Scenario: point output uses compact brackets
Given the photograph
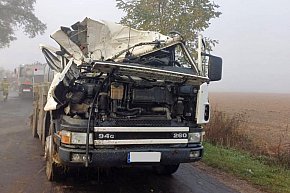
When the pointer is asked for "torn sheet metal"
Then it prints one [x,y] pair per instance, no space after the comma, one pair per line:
[51,104]
[107,39]
[52,59]
[103,40]
[71,48]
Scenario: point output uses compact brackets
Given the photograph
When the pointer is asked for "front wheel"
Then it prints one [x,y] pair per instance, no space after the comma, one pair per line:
[166,169]
[53,171]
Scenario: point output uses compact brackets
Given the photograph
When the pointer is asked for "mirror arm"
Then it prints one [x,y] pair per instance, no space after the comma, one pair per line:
[199,56]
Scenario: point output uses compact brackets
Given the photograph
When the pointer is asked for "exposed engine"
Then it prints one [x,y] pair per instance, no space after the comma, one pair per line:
[125,97]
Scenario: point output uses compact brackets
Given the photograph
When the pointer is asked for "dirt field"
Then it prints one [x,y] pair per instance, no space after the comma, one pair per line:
[267,115]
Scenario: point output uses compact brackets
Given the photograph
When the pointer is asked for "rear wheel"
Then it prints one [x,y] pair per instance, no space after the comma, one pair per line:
[166,169]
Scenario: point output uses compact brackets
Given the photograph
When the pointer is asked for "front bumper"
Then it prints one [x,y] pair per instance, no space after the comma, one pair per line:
[118,157]
[26,94]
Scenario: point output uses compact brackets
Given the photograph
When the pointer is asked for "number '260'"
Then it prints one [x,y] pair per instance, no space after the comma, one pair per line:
[179,135]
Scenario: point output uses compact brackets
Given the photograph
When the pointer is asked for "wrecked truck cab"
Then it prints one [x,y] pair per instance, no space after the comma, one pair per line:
[123,97]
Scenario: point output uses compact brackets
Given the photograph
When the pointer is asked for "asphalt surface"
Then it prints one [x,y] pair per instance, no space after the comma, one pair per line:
[22,167]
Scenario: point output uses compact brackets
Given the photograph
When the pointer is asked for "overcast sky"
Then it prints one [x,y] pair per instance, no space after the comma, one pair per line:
[254,39]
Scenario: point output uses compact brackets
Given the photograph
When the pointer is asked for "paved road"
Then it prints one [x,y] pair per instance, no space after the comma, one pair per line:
[22,166]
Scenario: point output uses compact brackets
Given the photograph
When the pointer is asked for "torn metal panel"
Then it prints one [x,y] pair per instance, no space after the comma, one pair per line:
[58,77]
[102,40]
[71,48]
[52,59]
[109,39]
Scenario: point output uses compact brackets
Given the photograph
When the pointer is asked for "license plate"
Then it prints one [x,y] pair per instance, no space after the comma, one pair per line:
[26,90]
[144,157]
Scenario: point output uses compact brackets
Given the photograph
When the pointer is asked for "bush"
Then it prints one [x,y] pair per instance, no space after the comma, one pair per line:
[282,149]
[227,130]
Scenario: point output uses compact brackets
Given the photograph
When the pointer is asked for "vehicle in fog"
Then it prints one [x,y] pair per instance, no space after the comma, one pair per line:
[27,76]
[123,97]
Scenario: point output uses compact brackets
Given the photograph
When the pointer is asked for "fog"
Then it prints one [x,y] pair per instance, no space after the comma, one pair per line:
[254,43]
[253,40]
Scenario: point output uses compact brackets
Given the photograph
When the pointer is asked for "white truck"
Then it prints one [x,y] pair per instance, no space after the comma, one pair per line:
[124,97]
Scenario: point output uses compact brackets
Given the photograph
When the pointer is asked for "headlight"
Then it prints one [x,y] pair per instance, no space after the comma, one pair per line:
[81,138]
[195,137]
[68,137]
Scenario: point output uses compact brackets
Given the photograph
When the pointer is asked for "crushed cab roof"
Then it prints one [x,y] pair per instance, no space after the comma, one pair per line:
[104,40]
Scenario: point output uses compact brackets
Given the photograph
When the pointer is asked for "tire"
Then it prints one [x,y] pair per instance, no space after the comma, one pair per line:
[54,172]
[166,169]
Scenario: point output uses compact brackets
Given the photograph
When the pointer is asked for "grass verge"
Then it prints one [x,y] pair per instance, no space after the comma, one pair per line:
[255,170]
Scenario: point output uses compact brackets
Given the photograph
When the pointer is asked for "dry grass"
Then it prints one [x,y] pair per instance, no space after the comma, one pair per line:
[227,130]
[281,151]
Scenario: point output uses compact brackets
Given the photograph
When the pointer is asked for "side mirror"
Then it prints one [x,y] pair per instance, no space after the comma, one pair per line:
[215,68]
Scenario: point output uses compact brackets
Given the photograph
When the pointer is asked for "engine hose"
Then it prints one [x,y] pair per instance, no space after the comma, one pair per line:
[162,109]
[90,117]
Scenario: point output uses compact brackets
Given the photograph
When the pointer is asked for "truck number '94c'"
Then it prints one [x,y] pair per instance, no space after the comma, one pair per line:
[106,136]
[179,135]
